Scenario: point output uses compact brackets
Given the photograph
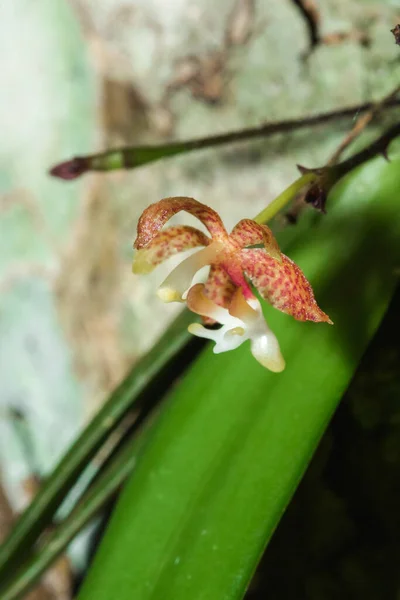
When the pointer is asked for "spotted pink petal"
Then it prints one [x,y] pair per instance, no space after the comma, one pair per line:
[282,284]
[219,287]
[250,233]
[156,215]
[166,243]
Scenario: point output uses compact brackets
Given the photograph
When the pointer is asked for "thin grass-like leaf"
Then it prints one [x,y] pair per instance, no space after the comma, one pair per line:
[142,377]
[89,505]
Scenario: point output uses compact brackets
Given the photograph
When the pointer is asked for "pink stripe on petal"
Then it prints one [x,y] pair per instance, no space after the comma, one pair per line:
[234,269]
[219,288]
[250,233]
[283,285]
[167,243]
[156,215]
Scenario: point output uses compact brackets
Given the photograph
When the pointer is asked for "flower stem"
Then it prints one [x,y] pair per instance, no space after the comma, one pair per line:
[285,197]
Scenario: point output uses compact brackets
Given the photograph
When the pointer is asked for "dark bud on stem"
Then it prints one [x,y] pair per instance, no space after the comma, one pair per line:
[396,33]
[71,169]
[317,193]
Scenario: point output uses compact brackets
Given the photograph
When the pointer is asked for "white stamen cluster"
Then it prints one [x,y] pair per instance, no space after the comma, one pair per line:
[243,321]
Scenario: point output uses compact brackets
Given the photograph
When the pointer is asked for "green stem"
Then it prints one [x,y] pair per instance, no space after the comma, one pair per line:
[285,197]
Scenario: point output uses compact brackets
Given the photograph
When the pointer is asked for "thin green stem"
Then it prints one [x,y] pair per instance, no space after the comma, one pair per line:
[285,197]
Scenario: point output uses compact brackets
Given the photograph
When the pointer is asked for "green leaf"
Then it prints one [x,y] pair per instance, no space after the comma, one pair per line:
[233,439]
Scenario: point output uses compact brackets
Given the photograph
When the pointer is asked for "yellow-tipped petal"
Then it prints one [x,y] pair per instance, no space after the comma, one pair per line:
[141,265]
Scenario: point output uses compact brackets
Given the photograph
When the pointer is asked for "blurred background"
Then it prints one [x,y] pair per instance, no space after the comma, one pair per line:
[79,76]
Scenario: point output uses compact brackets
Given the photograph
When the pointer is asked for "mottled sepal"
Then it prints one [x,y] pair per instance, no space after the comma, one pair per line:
[165,244]
[283,285]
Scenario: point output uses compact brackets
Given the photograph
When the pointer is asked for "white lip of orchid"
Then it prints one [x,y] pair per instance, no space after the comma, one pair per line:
[175,287]
[246,323]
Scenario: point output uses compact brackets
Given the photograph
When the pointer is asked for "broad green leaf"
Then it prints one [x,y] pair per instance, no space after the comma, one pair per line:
[233,440]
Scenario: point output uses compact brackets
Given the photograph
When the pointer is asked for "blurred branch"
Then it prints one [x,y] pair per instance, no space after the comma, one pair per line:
[362,123]
[326,177]
[300,201]
[135,156]
[310,14]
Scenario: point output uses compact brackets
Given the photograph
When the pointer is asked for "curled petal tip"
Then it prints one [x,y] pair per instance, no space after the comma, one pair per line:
[317,315]
[70,169]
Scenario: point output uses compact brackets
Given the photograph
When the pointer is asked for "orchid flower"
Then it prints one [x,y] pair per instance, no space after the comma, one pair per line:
[248,255]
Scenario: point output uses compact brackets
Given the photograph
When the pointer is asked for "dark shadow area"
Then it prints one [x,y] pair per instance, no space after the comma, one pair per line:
[367,259]
[340,536]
